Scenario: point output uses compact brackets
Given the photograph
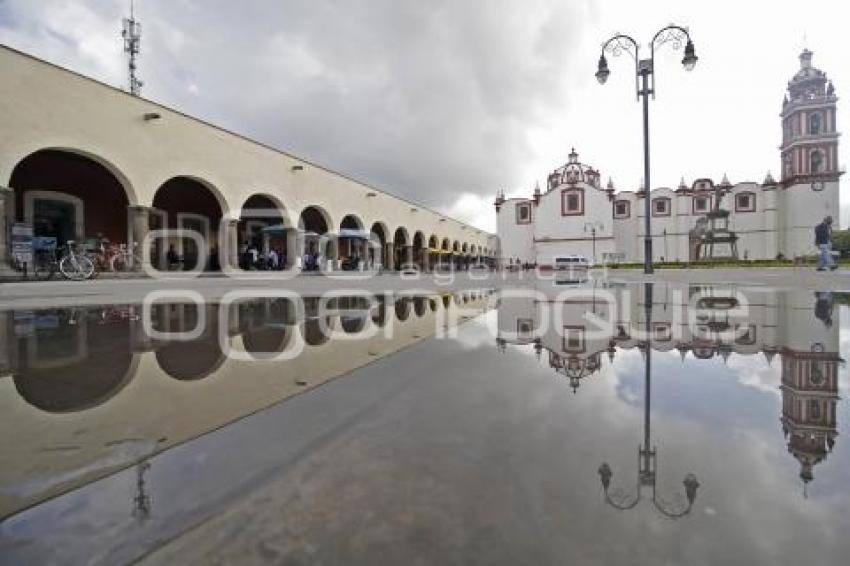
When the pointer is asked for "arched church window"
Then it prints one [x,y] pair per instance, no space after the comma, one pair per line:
[816,164]
[814,411]
[814,124]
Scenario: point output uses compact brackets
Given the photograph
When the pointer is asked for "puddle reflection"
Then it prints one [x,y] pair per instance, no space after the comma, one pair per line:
[622,406]
[119,387]
[575,332]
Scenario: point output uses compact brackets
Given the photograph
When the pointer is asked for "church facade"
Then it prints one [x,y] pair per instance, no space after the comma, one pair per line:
[577,215]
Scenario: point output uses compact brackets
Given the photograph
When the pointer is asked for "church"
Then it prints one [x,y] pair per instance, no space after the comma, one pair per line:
[577,215]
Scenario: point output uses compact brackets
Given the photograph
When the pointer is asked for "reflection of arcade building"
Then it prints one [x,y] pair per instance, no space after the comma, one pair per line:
[93,378]
[773,323]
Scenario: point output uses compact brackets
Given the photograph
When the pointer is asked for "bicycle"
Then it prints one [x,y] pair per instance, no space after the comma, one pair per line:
[74,265]
[44,264]
[124,259]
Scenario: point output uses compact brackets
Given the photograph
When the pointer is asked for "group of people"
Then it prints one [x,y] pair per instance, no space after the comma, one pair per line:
[251,258]
[311,261]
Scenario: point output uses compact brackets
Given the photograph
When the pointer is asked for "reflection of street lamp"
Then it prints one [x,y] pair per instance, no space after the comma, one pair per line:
[592,226]
[647,457]
[141,501]
[645,68]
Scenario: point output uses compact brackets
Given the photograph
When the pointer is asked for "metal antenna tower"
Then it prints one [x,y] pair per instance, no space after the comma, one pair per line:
[132,34]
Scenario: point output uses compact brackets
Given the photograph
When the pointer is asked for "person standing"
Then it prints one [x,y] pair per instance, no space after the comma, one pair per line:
[823,241]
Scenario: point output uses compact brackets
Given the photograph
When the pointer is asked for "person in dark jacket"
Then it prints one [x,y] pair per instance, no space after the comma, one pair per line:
[823,241]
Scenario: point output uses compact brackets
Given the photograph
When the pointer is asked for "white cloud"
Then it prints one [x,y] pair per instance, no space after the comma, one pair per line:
[474,209]
[441,100]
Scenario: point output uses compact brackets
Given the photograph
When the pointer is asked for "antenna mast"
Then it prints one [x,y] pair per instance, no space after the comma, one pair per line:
[132,34]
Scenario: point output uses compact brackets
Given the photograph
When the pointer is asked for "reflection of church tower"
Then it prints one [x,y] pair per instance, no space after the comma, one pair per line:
[809,397]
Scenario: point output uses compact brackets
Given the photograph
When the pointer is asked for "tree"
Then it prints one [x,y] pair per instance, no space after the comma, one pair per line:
[841,241]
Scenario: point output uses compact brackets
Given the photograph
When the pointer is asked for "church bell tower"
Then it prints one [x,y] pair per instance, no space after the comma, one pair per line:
[809,150]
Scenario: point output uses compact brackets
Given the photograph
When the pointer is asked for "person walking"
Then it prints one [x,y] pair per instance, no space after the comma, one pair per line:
[823,241]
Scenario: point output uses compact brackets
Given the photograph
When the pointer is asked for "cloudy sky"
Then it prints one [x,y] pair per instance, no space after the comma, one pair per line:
[446,102]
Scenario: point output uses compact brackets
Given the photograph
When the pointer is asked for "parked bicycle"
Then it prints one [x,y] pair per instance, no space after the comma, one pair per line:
[124,259]
[71,264]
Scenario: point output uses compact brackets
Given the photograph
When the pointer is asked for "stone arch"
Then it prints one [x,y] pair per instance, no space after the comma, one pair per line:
[101,365]
[353,243]
[267,343]
[378,250]
[420,256]
[267,326]
[419,306]
[402,309]
[379,313]
[401,247]
[264,223]
[433,251]
[71,195]
[315,226]
[351,222]
[191,360]
[192,204]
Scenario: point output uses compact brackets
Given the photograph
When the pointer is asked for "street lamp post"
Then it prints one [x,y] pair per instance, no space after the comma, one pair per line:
[644,69]
[591,227]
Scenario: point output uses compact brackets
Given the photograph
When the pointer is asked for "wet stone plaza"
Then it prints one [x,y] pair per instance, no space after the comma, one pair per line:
[533,423]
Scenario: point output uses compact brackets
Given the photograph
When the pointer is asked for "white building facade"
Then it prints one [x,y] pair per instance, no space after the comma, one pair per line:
[80,160]
[772,219]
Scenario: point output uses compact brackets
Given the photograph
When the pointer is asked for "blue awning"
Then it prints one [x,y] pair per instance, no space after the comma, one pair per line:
[349,233]
[274,229]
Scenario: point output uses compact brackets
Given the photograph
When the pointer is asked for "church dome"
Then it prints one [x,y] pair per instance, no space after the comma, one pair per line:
[809,82]
[573,172]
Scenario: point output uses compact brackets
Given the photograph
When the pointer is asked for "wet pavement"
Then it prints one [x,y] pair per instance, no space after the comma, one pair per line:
[537,424]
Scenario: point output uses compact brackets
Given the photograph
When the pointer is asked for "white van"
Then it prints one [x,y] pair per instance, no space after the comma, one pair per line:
[570,263]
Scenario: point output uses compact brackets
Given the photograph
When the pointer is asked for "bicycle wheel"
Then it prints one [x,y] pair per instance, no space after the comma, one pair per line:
[76,267]
[97,262]
[43,268]
[124,262]
[118,263]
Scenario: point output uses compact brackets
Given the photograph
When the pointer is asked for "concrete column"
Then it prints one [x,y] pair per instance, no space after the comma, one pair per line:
[7,208]
[389,256]
[7,349]
[140,341]
[231,239]
[233,319]
[138,227]
[293,253]
[332,257]
[408,255]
